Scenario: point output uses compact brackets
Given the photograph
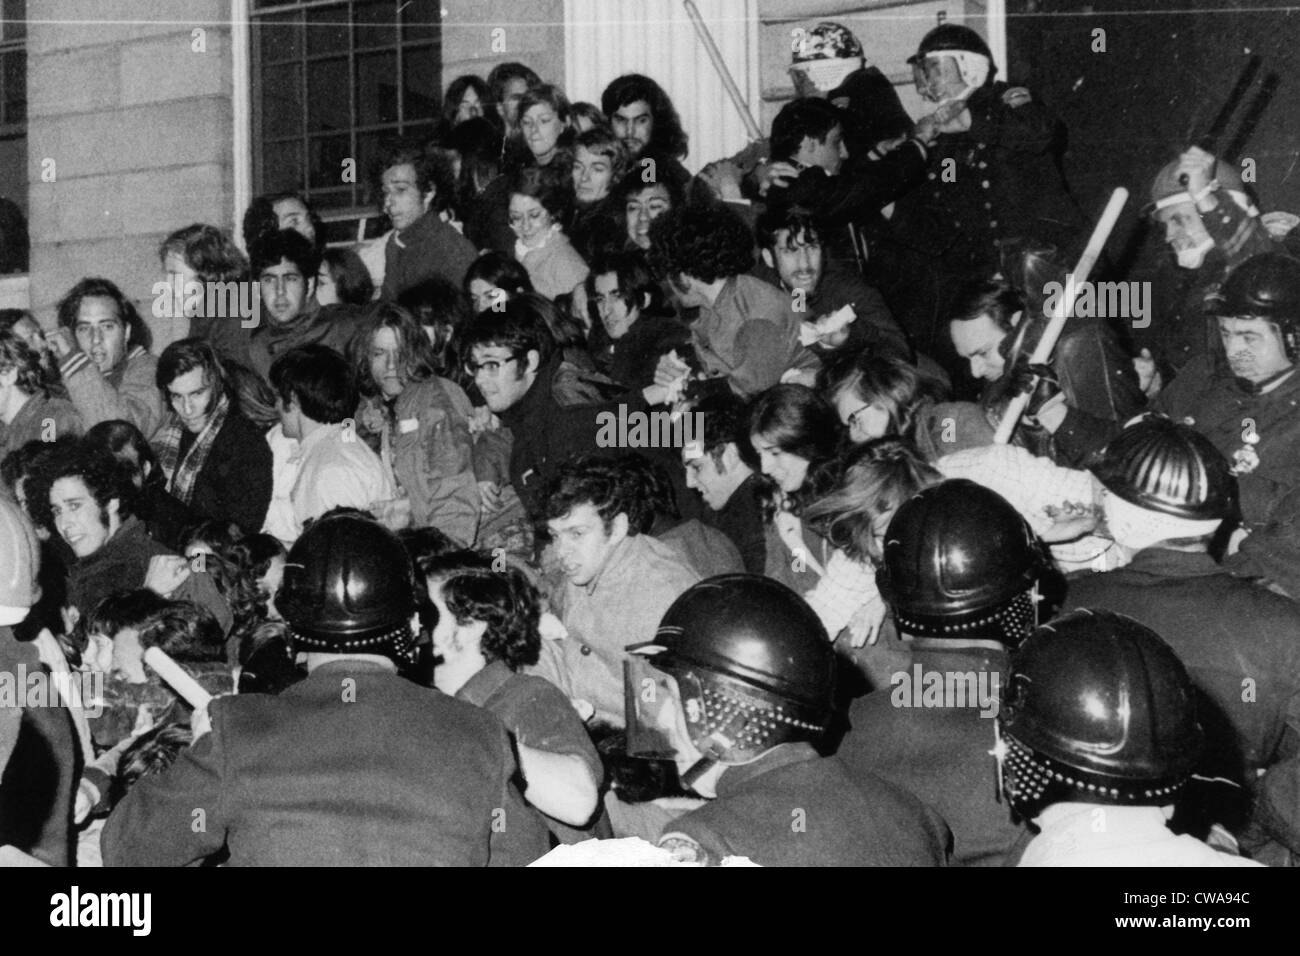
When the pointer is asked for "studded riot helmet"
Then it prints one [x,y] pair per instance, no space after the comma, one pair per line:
[349,588]
[1097,709]
[1266,286]
[961,563]
[748,662]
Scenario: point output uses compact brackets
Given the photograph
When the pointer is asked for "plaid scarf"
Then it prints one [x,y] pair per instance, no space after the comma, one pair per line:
[181,475]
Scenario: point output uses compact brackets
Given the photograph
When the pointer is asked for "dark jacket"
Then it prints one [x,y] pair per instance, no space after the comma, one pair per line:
[872,109]
[555,421]
[40,762]
[849,203]
[1219,406]
[1241,645]
[429,249]
[793,808]
[166,519]
[631,361]
[999,179]
[1097,378]
[598,227]
[487,221]
[122,563]
[235,482]
[353,766]
[940,753]
[332,325]
[741,520]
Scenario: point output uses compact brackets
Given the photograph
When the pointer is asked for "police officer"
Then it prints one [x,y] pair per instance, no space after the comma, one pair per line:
[960,573]
[992,176]
[1246,398]
[1098,736]
[353,765]
[1168,492]
[1210,223]
[737,687]
[40,758]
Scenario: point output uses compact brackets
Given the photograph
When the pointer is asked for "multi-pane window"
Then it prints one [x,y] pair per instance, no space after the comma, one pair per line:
[13,136]
[331,82]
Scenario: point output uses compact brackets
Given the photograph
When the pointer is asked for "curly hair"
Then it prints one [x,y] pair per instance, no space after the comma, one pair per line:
[652,494]
[608,485]
[475,587]
[668,138]
[706,242]
[878,477]
[33,377]
[23,471]
[105,478]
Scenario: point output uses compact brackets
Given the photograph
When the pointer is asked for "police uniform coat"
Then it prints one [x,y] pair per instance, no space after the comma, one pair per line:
[941,754]
[793,808]
[353,766]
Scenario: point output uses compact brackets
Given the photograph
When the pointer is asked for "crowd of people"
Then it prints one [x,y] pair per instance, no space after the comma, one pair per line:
[808,611]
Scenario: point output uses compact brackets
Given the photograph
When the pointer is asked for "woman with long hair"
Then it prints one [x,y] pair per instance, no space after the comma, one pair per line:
[876,396]
[418,419]
[468,97]
[852,516]
[794,437]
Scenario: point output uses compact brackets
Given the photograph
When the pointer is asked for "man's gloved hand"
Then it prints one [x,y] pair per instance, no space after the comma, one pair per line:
[1040,383]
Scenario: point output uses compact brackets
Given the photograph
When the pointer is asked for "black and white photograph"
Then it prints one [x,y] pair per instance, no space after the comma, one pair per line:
[653,433]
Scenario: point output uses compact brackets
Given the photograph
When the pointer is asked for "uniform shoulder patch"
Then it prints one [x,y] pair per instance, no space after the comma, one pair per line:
[1016,96]
[684,849]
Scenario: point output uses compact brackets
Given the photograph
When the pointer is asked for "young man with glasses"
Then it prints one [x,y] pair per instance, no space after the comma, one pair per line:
[549,404]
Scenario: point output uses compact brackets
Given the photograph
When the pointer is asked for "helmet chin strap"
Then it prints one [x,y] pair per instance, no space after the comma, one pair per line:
[1192,258]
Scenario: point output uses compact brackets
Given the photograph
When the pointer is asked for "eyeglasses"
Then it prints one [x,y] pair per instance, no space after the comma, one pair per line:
[491,368]
[852,420]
